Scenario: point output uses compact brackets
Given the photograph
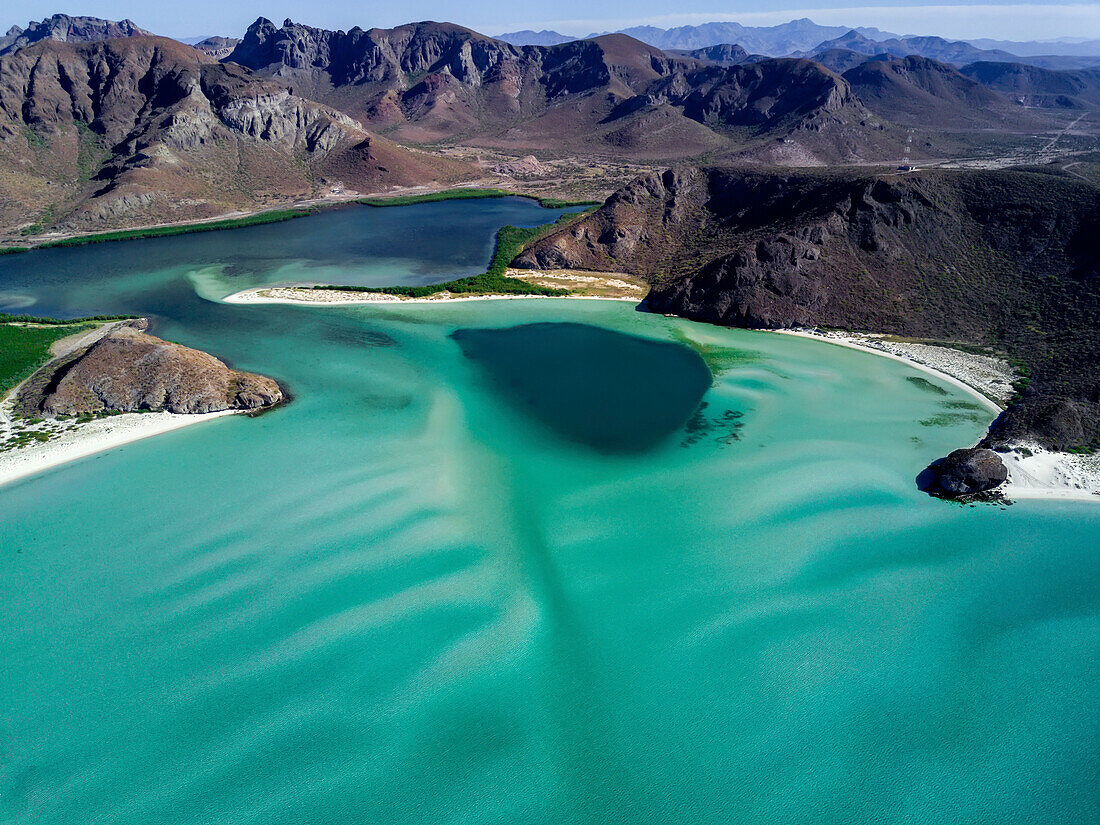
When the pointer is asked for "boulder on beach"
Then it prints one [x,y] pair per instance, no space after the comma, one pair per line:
[967,472]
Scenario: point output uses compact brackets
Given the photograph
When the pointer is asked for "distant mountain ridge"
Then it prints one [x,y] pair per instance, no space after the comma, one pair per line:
[527,37]
[68,29]
[803,38]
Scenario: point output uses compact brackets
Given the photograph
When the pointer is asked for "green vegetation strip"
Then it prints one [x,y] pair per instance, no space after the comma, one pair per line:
[183,229]
[24,349]
[511,240]
[470,194]
[12,250]
[5,318]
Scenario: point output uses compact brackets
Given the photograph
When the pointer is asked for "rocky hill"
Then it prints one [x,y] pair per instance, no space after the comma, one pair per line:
[1004,259]
[917,91]
[145,129]
[128,370]
[1032,86]
[724,54]
[217,47]
[67,29]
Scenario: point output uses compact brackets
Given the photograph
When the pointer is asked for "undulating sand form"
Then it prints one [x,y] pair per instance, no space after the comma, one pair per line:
[70,441]
[986,378]
[1032,471]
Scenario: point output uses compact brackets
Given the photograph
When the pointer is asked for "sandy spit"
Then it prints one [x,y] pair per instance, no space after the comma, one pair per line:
[325,297]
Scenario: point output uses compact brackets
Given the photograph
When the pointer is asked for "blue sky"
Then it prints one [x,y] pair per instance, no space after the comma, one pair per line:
[1040,19]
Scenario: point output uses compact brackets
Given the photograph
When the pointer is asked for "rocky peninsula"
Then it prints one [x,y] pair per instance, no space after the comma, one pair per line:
[116,385]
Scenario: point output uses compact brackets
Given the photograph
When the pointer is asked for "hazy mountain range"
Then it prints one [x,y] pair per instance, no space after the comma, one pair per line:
[802,38]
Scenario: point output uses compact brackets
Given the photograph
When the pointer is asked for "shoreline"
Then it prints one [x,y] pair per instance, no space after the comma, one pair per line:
[1033,473]
[253,296]
[94,437]
[946,377]
[243,218]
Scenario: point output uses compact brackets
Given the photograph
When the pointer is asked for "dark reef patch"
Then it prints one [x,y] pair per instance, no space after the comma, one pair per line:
[609,391]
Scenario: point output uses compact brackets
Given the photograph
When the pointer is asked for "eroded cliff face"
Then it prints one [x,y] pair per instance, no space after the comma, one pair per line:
[145,129]
[128,370]
[62,27]
[1006,259]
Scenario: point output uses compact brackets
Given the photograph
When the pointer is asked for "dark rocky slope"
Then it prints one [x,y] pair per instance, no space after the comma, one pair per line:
[145,129]
[920,92]
[1005,259]
[1032,86]
[128,370]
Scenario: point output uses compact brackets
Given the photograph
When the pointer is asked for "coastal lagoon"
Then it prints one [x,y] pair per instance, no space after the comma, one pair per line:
[525,561]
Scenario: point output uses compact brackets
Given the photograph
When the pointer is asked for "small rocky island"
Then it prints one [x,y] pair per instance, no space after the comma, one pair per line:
[128,370]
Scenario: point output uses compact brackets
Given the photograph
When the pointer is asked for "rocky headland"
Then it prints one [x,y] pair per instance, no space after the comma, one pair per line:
[1005,260]
[128,370]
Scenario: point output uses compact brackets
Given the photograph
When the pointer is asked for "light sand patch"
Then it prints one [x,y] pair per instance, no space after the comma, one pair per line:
[584,284]
[588,286]
[69,441]
[1037,473]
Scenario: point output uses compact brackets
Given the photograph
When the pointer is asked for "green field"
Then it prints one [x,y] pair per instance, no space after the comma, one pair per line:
[511,240]
[24,349]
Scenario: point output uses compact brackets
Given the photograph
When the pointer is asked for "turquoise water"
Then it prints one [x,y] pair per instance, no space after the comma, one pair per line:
[431,590]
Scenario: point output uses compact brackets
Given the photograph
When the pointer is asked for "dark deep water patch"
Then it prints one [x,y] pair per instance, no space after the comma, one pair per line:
[607,390]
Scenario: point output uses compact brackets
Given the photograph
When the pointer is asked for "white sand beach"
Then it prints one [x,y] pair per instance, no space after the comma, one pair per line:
[1033,473]
[590,286]
[69,441]
[329,297]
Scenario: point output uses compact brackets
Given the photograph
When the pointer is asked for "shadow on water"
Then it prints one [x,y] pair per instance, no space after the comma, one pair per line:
[609,391]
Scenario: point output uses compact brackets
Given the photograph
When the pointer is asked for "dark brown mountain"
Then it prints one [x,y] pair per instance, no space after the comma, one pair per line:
[723,54]
[1032,86]
[1007,259]
[144,130]
[67,29]
[128,370]
[917,91]
[841,60]
[428,81]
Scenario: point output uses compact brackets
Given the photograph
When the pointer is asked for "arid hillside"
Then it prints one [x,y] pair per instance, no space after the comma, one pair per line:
[137,130]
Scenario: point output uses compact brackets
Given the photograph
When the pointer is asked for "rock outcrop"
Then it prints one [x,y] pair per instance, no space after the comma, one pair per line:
[128,370]
[68,29]
[968,472]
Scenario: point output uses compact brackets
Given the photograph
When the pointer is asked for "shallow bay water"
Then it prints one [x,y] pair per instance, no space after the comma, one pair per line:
[441,587]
